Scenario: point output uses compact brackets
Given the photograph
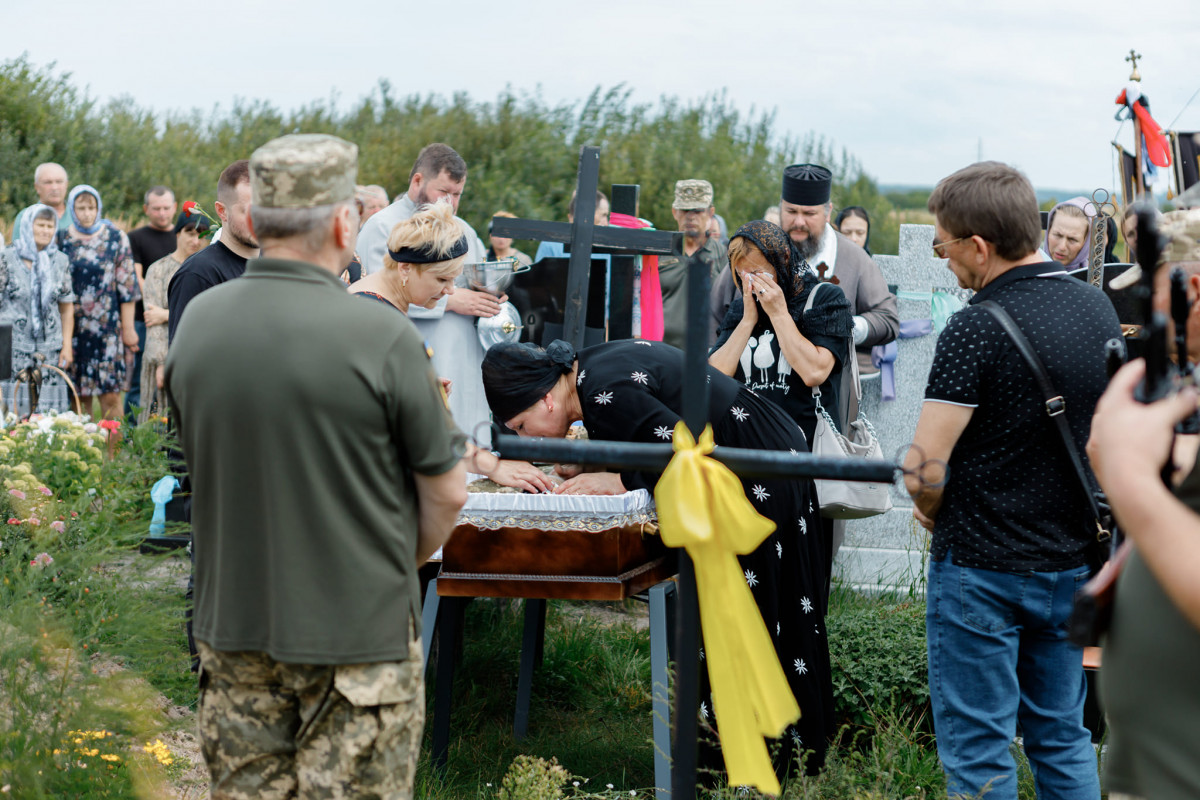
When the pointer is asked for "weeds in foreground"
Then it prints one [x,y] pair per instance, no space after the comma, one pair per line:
[82,652]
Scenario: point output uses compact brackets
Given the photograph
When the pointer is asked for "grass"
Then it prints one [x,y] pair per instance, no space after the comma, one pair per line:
[92,652]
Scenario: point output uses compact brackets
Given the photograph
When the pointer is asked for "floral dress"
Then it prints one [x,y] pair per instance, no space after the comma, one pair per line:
[103,277]
[632,391]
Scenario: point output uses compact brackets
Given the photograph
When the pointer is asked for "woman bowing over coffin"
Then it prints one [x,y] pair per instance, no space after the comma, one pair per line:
[632,391]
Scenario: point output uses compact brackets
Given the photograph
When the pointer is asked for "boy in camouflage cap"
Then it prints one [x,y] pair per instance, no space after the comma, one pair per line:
[314,503]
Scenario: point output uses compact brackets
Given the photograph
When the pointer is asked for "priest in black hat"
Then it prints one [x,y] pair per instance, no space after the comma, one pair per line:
[805,210]
[804,213]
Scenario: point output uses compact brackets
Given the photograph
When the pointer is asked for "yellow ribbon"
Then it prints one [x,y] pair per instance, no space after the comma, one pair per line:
[703,508]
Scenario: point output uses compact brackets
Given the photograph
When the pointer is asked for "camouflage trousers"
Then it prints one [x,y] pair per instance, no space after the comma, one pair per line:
[273,730]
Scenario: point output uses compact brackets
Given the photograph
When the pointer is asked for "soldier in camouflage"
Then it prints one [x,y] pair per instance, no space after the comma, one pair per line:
[692,209]
[315,499]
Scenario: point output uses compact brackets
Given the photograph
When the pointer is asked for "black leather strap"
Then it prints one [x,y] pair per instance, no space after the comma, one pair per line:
[1055,405]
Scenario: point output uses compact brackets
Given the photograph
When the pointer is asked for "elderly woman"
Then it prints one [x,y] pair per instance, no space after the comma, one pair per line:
[36,297]
[425,256]
[1068,231]
[188,240]
[106,290]
[632,391]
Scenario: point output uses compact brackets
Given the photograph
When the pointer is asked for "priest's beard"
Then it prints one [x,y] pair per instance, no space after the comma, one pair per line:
[810,246]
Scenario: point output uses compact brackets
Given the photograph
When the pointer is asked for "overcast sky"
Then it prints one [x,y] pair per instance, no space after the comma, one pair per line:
[914,89]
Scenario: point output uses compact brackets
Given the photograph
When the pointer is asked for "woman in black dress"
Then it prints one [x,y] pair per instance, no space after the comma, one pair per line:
[631,391]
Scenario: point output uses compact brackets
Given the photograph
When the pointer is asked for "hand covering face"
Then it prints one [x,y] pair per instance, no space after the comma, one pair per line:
[795,279]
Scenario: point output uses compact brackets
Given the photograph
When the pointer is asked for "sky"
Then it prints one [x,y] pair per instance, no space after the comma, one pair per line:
[913,89]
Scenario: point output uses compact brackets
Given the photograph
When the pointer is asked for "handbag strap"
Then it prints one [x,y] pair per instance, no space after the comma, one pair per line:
[1056,406]
[853,367]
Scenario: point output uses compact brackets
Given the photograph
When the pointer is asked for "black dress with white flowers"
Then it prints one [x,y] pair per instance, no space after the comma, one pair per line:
[632,391]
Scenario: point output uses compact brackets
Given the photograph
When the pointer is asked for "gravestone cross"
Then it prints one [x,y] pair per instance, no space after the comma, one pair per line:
[584,239]
[881,553]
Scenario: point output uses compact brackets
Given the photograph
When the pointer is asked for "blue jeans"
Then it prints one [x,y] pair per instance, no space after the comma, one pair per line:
[999,655]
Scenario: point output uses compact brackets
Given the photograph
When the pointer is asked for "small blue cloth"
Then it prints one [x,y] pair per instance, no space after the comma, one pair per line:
[161,493]
[884,356]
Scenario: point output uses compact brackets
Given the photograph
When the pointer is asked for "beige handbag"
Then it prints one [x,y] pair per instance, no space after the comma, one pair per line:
[842,499]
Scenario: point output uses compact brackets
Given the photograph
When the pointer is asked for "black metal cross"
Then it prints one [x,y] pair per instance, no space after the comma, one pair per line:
[656,456]
[585,239]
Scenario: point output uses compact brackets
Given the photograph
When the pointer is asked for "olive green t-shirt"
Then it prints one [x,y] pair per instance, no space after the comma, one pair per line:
[672,275]
[1149,685]
[303,413]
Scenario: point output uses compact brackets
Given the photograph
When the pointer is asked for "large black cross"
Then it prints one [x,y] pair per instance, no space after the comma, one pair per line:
[654,457]
[585,239]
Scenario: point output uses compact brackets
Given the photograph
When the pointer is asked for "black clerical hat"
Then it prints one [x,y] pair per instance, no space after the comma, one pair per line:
[807,185]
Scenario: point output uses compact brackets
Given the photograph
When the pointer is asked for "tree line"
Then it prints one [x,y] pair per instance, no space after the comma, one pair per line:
[522,152]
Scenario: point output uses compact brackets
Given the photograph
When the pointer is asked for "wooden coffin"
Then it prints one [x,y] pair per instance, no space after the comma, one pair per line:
[554,547]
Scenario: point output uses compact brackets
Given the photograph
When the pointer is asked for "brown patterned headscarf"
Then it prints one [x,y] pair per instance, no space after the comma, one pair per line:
[795,279]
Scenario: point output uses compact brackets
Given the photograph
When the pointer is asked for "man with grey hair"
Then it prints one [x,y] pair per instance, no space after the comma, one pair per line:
[50,183]
[692,209]
[315,503]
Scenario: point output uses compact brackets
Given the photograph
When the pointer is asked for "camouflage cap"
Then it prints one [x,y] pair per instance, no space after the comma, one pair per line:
[303,170]
[692,194]
[1181,229]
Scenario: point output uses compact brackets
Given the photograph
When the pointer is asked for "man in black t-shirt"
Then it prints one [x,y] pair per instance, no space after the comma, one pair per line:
[225,259]
[1011,523]
[148,244]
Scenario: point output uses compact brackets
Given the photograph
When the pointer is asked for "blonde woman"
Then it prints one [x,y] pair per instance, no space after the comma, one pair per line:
[425,255]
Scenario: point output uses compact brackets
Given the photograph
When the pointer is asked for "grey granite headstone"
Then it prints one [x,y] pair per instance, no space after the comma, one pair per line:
[888,552]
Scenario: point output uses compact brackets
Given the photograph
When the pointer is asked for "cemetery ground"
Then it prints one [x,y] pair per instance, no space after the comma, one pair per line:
[97,701]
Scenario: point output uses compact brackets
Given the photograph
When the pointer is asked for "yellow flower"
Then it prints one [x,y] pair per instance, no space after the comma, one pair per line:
[110,757]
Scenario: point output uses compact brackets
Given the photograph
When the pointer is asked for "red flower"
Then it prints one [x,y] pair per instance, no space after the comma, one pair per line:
[189,207]
[14,521]
[110,424]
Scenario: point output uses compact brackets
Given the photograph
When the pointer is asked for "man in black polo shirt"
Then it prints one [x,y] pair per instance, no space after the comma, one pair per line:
[148,244]
[1011,535]
[225,259]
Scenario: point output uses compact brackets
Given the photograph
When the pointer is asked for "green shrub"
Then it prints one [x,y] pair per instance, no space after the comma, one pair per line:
[877,650]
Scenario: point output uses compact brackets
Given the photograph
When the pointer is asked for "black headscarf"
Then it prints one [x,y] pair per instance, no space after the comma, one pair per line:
[518,374]
[795,279]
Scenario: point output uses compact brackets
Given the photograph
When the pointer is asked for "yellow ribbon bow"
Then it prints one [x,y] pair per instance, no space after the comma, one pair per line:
[703,508]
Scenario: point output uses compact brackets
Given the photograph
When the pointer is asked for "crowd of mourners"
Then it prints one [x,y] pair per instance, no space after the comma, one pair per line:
[370,380]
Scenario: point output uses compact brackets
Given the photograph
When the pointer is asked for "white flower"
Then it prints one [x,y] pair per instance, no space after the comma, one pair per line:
[803,525]
[751,579]
[604,398]
[801,667]
[806,604]
[580,377]
[779,549]
[662,432]
[701,653]
[608,786]
[776,628]
[760,492]
[703,710]
[640,377]
[739,413]
[796,738]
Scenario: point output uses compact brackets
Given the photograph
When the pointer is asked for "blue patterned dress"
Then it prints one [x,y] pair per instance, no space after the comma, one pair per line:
[103,277]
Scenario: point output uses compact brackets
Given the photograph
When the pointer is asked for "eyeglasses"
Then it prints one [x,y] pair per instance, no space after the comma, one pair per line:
[937,246]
